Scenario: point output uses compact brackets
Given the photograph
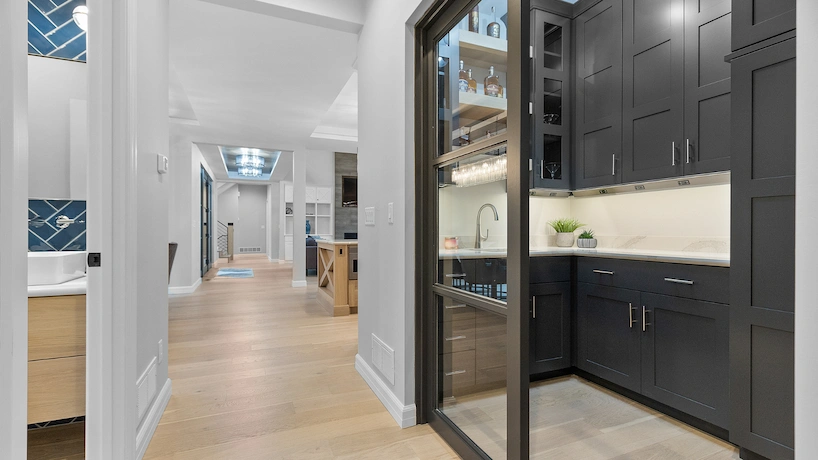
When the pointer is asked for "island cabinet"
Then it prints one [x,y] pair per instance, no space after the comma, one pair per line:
[670,348]
[676,113]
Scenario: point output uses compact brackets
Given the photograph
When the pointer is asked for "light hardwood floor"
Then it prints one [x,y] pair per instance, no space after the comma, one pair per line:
[261,372]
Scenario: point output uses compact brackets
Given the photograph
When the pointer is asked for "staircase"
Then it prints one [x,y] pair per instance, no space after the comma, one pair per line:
[221,241]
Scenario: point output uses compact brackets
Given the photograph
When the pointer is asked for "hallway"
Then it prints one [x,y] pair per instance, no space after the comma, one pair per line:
[259,371]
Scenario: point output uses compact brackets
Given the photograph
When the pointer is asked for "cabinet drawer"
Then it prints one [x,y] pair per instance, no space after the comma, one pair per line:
[56,327]
[679,280]
[456,311]
[56,389]
[457,335]
[549,270]
[458,372]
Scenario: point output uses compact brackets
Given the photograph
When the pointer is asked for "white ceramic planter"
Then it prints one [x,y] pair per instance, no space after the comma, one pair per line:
[587,243]
[565,240]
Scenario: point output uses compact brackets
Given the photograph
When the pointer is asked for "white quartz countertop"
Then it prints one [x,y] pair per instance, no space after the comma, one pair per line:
[718,259]
[73,287]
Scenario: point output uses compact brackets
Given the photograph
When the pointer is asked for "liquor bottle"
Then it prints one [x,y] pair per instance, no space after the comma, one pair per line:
[474,20]
[493,30]
[491,85]
[463,84]
[472,84]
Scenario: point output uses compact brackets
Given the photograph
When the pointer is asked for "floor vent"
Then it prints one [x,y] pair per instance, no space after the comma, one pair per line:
[249,250]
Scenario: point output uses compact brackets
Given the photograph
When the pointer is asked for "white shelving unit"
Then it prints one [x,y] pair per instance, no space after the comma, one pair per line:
[319,213]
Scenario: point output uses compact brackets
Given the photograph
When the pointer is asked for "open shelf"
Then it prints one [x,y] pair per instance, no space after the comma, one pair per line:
[479,106]
[483,51]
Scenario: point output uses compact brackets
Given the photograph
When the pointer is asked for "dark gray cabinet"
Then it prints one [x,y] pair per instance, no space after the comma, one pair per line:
[685,358]
[552,89]
[762,291]
[609,335]
[598,93]
[550,338]
[676,88]
[758,20]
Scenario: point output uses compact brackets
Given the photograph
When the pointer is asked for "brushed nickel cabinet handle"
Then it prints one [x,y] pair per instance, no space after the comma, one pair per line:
[452,307]
[687,150]
[603,272]
[678,281]
[630,316]
[613,164]
[542,169]
[456,275]
[673,154]
[645,322]
[459,337]
[449,374]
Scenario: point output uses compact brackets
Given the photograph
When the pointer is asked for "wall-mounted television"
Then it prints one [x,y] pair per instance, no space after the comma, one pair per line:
[349,192]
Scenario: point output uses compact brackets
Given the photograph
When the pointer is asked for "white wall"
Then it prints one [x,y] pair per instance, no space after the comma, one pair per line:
[806,227]
[386,175]
[320,168]
[153,189]
[13,191]
[274,212]
[53,84]
[229,207]
[251,228]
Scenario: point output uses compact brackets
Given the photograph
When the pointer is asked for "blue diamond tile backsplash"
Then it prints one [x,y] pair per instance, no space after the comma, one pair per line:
[45,234]
[52,30]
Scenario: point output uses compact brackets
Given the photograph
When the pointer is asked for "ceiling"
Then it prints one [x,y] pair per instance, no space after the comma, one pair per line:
[262,74]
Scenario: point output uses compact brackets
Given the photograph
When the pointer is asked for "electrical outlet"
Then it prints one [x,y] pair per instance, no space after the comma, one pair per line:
[161,351]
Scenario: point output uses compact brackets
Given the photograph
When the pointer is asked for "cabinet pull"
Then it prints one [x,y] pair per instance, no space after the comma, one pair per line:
[452,307]
[542,169]
[645,322]
[613,164]
[603,272]
[459,337]
[687,150]
[456,275]
[673,154]
[678,281]
[631,321]
[534,299]
[449,374]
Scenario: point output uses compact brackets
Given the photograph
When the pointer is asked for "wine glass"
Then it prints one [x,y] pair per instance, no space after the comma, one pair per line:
[552,168]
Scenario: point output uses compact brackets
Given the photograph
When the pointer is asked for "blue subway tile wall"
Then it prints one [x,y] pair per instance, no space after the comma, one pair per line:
[44,234]
[52,30]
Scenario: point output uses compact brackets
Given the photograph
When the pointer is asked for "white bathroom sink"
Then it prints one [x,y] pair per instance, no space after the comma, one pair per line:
[46,268]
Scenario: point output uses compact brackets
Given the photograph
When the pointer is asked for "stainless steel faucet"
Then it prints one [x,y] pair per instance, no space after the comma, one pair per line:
[478,238]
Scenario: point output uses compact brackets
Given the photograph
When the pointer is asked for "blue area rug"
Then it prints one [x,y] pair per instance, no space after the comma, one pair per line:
[236,272]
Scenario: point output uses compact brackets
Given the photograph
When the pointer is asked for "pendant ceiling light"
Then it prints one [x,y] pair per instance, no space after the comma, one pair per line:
[81,17]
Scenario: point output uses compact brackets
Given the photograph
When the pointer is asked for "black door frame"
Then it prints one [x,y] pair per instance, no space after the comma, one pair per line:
[206,234]
[439,19]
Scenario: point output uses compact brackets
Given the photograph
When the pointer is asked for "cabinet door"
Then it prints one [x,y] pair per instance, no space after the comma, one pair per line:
[309,194]
[707,87]
[598,89]
[490,349]
[552,128]
[758,20]
[653,111]
[609,333]
[685,358]
[550,327]
[762,273]
[323,195]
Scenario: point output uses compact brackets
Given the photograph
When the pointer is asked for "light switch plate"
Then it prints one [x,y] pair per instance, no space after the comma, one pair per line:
[390,213]
[162,163]
[370,216]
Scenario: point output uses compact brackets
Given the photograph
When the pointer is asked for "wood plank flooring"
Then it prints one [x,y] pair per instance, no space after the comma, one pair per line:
[261,372]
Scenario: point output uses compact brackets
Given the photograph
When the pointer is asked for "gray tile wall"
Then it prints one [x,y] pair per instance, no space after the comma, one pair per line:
[346,219]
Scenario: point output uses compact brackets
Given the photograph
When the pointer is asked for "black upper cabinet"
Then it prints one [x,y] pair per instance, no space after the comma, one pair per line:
[552,90]
[608,341]
[762,288]
[758,20]
[707,87]
[676,88]
[598,89]
[550,327]
[685,358]
[653,110]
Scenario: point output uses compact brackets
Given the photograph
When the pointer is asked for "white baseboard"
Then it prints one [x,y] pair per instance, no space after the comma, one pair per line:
[300,283]
[405,416]
[145,433]
[183,290]
[275,261]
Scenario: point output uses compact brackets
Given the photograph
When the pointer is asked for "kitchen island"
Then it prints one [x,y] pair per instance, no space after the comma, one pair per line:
[338,276]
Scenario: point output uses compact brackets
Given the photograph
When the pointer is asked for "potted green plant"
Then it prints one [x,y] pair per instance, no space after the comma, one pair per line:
[565,229]
[586,239]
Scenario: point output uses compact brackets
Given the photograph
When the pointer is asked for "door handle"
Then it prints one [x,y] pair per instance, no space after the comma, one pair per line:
[603,272]
[534,299]
[542,169]
[687,150]
[631,321]
[673,154]
[613,164]
[645,322]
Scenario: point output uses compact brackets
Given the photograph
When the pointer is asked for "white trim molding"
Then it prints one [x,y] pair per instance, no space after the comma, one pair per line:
[405,416]
[151,422]
[299,284]
[185,290]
